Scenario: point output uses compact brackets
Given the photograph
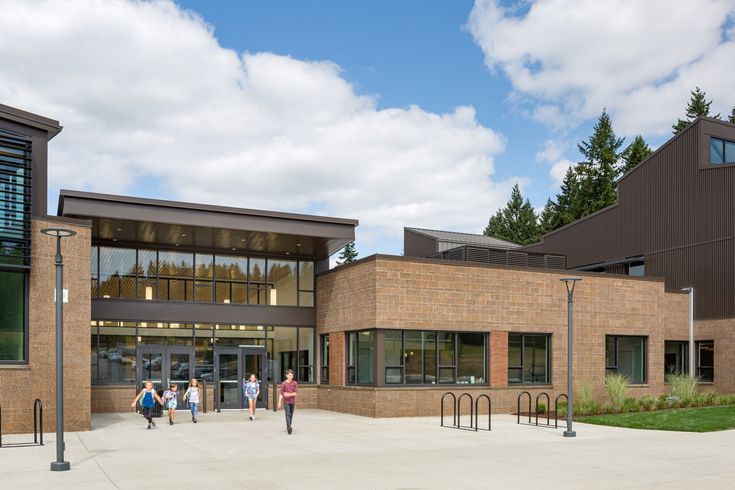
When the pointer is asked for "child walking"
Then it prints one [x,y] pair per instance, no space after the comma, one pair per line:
[192,396]
[287,399]
[171,397]
[252,391]
[148,398]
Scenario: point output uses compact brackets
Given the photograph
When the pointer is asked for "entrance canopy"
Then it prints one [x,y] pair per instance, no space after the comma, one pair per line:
[134,220]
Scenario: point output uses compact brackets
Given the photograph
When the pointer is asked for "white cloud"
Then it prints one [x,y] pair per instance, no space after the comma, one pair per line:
[552,154]
[146,94]
[638,59]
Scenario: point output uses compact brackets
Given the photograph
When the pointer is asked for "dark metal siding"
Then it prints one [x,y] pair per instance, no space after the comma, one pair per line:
[467,253]
[677,211]
[415,245]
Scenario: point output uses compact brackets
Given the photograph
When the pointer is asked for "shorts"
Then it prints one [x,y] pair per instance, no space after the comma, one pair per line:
[252,397]
[171,405]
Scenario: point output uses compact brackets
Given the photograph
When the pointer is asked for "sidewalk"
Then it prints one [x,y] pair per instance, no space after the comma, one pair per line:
[335,451]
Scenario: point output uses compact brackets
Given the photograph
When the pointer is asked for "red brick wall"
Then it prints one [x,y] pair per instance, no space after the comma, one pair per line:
[498,359]
[20,385]
[337,360]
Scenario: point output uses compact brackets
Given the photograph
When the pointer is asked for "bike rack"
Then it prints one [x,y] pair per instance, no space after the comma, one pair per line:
[489,412]
[548,407]
[37,427]
[556,409]
[454,409]
[518,421]
[459,411]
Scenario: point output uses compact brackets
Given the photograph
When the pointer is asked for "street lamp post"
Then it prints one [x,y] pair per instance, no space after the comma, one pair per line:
[59,233]
[692,369]
[570,282]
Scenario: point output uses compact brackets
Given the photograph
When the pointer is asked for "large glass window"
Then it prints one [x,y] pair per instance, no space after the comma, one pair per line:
[528,358]
[282,282]
[361,357]
[626,356]
[117,272]
[169,275]
[15,199]
[12,316]
[721,151]
[706,360]
[426,357]
[113,349]
[293,348]
[676,358]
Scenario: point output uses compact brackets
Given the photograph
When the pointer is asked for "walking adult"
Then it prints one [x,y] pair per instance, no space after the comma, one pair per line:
[287,398]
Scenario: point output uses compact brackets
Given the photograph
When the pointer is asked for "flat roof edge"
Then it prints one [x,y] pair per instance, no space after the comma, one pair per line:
[141,201]
[26,118]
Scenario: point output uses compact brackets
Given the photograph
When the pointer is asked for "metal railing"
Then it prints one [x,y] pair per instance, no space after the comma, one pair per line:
[457,411]
[537,411]
[37,427]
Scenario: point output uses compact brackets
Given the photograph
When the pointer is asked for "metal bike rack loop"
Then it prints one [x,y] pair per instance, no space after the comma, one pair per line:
[489,412]
[556,409]
[548,407]
[519,406]
[459,411]
[454,409]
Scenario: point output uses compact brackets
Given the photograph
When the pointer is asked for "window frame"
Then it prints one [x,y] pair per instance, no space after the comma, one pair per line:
[685,345]
[698,346]
[614,369]
[356,366]
[724,144]
[523,355]
[324,359]
[23,271]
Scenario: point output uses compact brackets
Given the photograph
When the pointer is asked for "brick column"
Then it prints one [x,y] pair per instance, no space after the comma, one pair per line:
[337,358]
[498,358]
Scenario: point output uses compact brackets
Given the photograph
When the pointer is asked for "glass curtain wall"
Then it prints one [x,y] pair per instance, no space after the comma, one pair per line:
[167,275]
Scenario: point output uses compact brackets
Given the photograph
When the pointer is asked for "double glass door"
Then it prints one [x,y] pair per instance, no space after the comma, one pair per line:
[233,367]
[165,365]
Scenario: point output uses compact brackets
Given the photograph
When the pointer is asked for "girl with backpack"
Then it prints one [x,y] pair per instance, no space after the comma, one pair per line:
[148,398]
[171,396]
[252,391]
[192,396]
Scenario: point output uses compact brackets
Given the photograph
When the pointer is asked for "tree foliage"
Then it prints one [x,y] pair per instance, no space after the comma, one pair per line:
[696,107]
[634,154]
[348,254]
[731,118]
[516,222]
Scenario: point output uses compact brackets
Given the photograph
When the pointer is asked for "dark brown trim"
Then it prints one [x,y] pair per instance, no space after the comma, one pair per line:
[185,312]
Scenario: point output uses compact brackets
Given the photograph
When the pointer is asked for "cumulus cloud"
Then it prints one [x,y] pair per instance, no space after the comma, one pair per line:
[552,154]
[149,99]
[638,59]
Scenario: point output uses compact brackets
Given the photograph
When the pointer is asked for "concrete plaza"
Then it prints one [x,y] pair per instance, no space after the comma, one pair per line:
[334,451]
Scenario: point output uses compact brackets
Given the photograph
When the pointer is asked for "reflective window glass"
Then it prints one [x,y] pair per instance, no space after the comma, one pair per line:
[282,282]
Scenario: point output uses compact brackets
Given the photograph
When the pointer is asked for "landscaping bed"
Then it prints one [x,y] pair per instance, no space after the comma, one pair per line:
[701,419]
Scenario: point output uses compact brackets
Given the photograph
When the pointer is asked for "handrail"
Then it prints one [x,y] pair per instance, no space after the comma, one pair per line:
[454,409]
[459,410]
[38,405]
[548,407]
[489,412]
[519,406]
[556,409]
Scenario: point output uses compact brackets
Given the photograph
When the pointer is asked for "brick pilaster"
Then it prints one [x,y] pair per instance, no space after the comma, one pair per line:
[498,358]
[337,358]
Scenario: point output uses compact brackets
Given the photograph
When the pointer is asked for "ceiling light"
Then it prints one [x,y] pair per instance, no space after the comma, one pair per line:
[183,234]
[288,253]
[177,244]
[233,249]
[118,229]
[114,239]
[298,244]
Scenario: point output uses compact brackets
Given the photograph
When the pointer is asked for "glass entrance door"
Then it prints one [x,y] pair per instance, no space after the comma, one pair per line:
[165,365]
[232,368]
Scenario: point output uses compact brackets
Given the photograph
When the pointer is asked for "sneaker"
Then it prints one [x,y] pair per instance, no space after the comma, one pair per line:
[289,430]
[170,422]
[251,417]
[154,424]
[149,426]
[195,420]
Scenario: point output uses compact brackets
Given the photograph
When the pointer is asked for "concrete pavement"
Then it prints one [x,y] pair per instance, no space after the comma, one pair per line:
[335,451]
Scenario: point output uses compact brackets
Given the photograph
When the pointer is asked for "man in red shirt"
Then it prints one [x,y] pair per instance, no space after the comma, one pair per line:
[287,399]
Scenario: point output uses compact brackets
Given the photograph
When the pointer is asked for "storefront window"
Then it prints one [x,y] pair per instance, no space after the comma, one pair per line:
[114,353]
[282,283]
[676,357]
[361,357]
[528,358]
[117,273]
[626,356]
[471,361]
[176,276]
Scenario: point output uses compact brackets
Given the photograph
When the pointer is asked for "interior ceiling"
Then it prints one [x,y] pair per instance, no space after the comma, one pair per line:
[164,234]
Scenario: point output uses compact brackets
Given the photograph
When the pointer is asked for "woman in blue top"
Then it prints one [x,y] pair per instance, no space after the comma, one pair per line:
[252,391]
[148,398]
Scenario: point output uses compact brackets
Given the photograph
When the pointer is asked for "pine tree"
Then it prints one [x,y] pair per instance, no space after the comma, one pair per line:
[697,106]
[635,153]
[732,116]
[517,222]
[598,173]
[549,218]
[348,254]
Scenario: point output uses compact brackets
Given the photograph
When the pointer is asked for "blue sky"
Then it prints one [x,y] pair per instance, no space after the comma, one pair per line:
[397,113]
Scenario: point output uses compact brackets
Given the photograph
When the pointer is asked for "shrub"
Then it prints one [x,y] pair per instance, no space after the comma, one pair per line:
[584,393]
[682,386]
[647,403]
[541,408]
[630,404]
[617,385]
[726,399]
[562,409]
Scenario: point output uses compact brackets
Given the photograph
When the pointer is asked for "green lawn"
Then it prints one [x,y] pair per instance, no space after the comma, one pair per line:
[705,419]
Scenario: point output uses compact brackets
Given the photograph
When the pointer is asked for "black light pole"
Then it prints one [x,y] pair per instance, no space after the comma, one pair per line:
[59,233]
[570,282]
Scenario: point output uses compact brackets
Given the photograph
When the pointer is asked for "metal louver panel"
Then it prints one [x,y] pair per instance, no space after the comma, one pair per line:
[556,262]
[536,260]
[475,254]
[15,199]
[518,258]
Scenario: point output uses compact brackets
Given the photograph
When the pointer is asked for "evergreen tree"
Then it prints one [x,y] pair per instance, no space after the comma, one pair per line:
[732,116]
[517,222]
[548,220]
[635,153]
[697,106]
[597,174]
[348,254]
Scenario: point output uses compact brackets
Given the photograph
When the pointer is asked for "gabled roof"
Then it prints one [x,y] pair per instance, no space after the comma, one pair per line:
[464,238]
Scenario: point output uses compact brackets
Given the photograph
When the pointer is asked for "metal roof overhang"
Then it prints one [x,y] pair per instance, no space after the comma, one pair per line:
[137,221]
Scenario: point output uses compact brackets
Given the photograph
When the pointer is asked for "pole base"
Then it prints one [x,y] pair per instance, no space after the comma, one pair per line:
[570,433]
[60,466]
